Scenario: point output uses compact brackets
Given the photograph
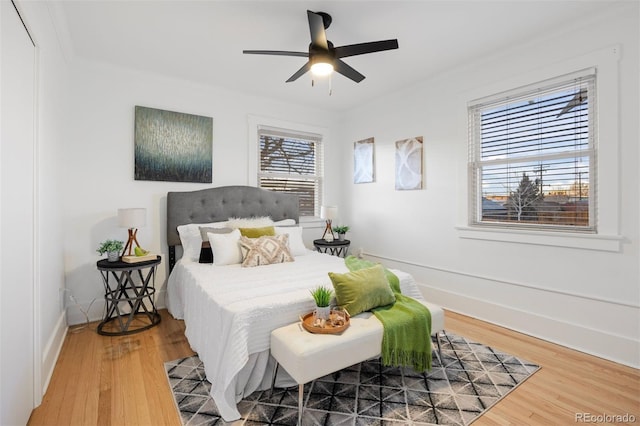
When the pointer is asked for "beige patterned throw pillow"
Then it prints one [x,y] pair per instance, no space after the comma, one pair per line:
[265,250]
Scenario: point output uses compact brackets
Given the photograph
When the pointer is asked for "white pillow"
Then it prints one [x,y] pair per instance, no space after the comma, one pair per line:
[249,222]
[226,248]
[296,245]
[191,239]
[285,222]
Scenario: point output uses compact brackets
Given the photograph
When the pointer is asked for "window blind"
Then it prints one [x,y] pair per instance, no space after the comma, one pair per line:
[532,157]
[292,162]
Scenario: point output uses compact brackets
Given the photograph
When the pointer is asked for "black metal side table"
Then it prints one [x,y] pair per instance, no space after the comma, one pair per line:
[335,247]
[129,297]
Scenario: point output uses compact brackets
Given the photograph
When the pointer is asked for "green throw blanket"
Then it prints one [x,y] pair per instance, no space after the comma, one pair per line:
[407,325]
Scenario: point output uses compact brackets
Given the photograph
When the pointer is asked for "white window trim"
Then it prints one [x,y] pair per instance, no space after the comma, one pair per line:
[608,152]
[477,163]
[254,123]
[544,238]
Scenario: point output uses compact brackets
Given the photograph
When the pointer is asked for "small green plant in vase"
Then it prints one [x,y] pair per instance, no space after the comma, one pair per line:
[322,296]
[112,248]
[341,230]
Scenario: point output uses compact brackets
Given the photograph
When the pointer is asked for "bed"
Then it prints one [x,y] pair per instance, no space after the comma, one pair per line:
[230,310]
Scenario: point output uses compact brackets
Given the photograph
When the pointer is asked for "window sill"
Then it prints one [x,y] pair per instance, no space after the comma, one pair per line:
[311,222]
[611,243]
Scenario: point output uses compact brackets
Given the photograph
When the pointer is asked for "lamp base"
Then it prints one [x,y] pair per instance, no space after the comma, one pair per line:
[328,229]
[132,239]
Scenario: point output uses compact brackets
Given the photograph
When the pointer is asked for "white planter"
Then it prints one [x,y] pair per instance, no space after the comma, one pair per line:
[113,256]
[322,312]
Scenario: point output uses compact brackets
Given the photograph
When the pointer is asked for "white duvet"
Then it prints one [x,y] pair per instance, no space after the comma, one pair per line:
[230,311]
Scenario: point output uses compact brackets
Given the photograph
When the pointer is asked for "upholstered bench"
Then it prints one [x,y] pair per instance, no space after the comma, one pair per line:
[306,356]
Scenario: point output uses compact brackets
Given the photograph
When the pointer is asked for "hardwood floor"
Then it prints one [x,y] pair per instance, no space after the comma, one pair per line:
[102,380]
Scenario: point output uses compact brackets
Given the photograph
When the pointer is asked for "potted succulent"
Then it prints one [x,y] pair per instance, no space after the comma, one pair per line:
[322,296]
[112,248]
[341,230]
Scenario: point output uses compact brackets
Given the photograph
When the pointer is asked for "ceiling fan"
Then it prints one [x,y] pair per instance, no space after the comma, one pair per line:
[324,58]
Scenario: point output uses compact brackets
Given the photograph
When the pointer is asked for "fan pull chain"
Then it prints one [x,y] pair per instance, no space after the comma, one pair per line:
[313,83]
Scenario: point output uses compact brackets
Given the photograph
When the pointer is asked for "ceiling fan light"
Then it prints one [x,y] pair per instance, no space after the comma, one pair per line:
[321,69]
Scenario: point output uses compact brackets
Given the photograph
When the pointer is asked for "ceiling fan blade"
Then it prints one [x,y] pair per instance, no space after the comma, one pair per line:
[347,71]
[316,27]
[275,52]
[362,48]
[306,67]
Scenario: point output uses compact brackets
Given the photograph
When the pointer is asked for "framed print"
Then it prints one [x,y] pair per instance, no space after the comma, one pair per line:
[409,164]
[172,146]
[363,161]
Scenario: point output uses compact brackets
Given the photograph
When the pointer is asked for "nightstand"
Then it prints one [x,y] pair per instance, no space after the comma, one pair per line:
[129,290]
[335,247]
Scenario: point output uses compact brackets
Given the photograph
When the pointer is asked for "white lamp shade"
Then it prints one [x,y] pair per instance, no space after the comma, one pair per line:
[329,212]
[132,218]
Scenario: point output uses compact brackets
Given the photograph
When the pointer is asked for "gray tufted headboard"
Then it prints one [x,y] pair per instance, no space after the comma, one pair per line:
[219,204]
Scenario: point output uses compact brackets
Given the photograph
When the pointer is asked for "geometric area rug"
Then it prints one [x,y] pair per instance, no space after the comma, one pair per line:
[470,378]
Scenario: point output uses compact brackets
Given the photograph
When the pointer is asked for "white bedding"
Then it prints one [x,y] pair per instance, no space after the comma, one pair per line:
[230,311]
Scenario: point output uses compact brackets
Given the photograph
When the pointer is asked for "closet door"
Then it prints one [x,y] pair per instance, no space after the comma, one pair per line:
[17,201]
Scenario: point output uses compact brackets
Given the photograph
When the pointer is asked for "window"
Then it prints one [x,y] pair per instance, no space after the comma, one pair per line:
[532,156]
[291,161]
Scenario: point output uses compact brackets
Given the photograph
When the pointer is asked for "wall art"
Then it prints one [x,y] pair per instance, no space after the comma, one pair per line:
[172,146]
[364,161]
[409,163]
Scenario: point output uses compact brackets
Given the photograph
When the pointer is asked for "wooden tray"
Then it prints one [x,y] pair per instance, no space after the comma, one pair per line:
[307,323]
[138,259]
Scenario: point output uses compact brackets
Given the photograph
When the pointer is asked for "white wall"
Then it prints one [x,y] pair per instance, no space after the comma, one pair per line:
[582,298]
[99,162]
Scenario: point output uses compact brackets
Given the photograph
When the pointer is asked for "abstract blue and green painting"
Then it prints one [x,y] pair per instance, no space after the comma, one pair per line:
[172,146]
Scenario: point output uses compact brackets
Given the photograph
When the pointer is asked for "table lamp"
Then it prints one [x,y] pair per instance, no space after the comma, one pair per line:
[132,219]
[328,213]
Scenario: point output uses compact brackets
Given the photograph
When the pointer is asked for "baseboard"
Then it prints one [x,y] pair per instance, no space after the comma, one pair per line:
[52,351]
[574,336]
